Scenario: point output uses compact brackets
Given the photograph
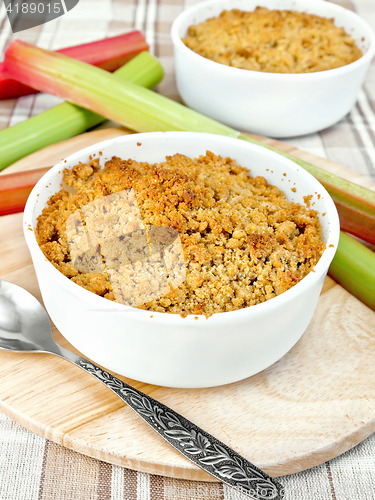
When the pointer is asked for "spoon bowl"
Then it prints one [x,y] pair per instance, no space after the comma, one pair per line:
[24,323]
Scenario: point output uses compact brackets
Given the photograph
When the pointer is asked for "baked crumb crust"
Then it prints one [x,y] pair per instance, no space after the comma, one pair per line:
[243,242]
[273,41]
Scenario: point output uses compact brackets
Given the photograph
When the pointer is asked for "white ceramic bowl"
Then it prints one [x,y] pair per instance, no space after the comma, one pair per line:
[166,349]
[270,104]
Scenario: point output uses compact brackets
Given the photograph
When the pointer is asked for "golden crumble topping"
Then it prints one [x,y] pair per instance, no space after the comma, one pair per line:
[242,241]
[273,41]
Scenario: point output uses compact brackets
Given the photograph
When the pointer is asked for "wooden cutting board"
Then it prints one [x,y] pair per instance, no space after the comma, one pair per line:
[312,405]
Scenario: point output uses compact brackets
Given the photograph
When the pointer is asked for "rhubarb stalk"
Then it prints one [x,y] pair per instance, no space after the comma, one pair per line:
[92,88]
[354,268]
[15,189]
[145,111]
[67,120]
[109,54]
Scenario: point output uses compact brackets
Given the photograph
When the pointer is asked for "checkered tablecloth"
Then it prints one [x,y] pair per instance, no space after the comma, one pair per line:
[32,468]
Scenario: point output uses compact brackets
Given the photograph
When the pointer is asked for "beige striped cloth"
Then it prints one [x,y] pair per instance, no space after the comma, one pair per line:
[32,468]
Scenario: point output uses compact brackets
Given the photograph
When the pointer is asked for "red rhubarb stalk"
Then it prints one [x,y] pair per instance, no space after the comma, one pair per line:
[109,54]
[15,189]
[357,215]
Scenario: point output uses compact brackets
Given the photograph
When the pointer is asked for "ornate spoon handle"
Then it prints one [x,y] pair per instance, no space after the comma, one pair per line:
[201,448]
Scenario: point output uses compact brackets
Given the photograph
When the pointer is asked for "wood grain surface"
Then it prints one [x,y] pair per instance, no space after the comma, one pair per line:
[315,403]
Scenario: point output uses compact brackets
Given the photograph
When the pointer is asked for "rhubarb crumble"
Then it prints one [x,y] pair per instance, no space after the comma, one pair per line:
[240,240]
[273,41]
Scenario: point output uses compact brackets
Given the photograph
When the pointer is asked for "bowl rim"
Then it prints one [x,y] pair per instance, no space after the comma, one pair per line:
[101,304]
[246,73]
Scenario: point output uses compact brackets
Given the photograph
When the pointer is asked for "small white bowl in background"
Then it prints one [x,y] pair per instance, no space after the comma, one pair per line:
[270,104]
[166,349]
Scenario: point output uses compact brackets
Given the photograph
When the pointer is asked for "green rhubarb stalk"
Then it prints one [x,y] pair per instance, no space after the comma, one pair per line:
[124,102]
[68,120]
[144,111]
[354,268]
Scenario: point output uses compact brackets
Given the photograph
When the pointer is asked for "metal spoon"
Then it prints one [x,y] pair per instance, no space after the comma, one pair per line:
[25,327]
